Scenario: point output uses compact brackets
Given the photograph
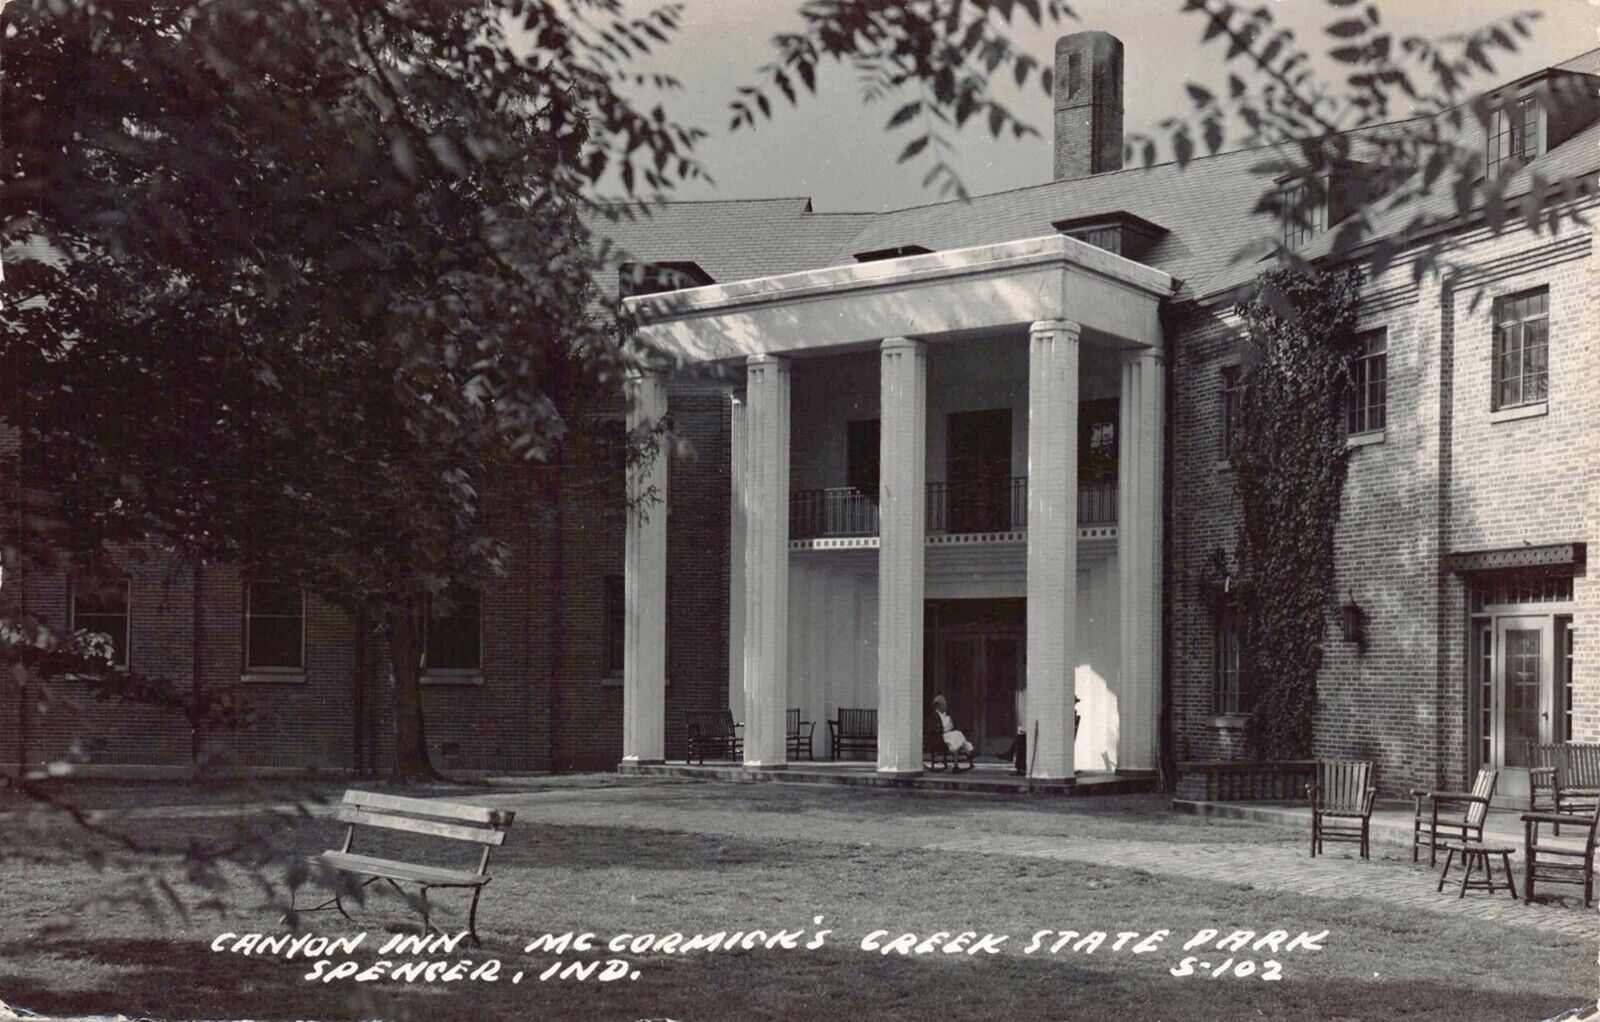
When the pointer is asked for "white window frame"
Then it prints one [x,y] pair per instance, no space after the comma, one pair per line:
[1370,434]
[1523,406]
[127,619]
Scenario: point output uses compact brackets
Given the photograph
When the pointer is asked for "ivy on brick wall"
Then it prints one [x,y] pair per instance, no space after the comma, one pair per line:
[1289,461]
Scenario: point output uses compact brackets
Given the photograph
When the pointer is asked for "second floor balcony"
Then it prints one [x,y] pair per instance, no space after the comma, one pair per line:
[958,508]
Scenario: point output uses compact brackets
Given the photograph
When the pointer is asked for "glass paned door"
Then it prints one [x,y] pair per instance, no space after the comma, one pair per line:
[1522,696]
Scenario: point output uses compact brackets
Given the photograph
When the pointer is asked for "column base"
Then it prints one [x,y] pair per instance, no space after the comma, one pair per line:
[757,765]
[895,772]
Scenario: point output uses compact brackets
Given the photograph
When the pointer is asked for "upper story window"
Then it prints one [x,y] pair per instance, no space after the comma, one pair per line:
[100,605]
[1232,407]
[1521,372]
[1367,409]
[1227,696]
[612,624]
[1515,136]
[274,627]
[1304,212]
[455,632]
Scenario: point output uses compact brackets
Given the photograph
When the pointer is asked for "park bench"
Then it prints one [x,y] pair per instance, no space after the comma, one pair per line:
[1341,804]
[799,734]
[1563,777]
[450,821]
[854,730]
[713,732]
[1464,828]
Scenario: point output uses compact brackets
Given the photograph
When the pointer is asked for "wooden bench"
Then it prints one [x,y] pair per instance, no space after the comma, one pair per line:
[1341,804]
[713,732]
[1563,777]
[451,821]
[854,730]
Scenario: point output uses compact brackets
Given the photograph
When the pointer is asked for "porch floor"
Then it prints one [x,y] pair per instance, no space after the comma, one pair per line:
[990,777]
[1391,823]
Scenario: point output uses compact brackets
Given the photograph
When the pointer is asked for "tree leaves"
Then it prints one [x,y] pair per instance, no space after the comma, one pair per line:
[944,50]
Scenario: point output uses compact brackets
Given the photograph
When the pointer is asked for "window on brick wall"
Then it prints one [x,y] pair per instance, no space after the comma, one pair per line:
[455,632]
[1232,407]
[1521,348]
[1226,695]
[100,605]
[1367,409]
[274,627]
[615,609]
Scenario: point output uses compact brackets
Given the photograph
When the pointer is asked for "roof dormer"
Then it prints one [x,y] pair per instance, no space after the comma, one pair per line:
[1309,204]
[634,279]
[893,252]
[1536,114]
[1119,232]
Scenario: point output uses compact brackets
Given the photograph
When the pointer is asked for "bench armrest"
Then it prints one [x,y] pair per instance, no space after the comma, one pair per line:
[1568,818]
[1450,796]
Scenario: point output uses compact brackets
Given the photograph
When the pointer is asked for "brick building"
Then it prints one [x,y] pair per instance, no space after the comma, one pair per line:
[979,449]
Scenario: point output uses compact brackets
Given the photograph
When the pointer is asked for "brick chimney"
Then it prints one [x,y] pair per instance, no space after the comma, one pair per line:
[1088,101]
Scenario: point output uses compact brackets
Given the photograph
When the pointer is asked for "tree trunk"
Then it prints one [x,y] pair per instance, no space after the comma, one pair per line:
[405,627]
[358,698]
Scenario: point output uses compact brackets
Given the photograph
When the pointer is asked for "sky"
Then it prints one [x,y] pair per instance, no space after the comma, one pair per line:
[834,149]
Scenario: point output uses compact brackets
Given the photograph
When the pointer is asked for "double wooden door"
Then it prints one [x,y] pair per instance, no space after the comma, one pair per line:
[979,672]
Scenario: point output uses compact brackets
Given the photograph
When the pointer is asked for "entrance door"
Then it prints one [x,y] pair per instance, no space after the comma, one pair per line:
[1522,694]
[978,471]
[978,674]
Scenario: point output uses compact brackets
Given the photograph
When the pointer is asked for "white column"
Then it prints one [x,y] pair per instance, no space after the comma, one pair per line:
[766,560]
[1052,545]
[902,514]
[736,541]
[644,649]
[1139,510]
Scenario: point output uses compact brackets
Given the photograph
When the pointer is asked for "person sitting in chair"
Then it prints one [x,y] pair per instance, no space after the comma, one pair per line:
[954,740]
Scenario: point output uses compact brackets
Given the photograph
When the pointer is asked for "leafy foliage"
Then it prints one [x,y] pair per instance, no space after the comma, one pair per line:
[1403,113]
[938,57]
[1289,462]
[302,284]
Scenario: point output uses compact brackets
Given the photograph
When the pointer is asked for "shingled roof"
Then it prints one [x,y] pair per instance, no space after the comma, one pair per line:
[1207,208]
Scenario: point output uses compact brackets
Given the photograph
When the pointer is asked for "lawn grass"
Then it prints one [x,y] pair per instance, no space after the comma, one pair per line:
[609,865]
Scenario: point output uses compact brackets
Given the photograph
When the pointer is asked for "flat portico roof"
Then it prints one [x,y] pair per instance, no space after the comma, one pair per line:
[1117,301]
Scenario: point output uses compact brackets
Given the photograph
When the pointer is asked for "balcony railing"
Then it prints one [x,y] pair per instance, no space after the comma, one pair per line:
[839,511]
[959,508]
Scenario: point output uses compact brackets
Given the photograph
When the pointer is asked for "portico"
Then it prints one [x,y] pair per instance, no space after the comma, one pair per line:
[859,506]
